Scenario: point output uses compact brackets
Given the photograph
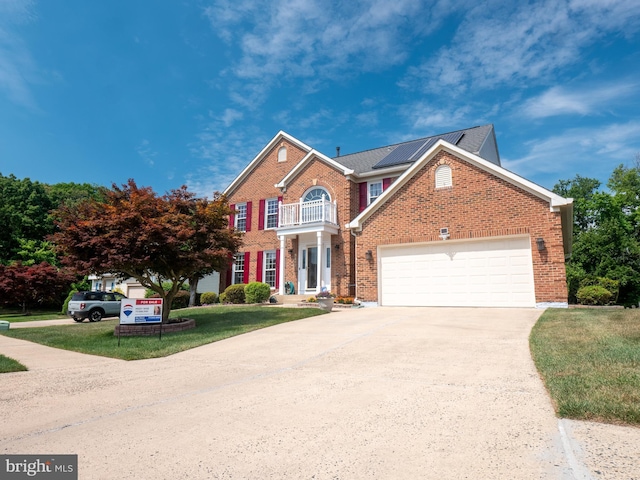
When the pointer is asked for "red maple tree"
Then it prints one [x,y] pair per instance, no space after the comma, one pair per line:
[154,239]
[33,285]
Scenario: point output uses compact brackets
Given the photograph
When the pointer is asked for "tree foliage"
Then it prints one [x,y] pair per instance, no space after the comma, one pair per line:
[24,214]
[606,231]
[33,285]
[135,233]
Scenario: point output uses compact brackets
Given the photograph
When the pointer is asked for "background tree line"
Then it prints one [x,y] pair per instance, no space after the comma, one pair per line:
[30,273]
[54,235]
[606,236]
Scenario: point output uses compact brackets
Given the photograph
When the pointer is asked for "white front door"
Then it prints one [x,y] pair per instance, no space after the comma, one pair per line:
[309,266]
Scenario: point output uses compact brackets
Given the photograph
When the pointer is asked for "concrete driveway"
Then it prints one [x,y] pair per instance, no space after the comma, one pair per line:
[378,393]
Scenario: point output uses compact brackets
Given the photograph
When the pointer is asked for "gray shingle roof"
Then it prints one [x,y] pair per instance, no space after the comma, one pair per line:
[472,140]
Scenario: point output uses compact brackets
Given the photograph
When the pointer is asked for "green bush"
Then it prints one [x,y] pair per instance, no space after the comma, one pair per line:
[208,298]
[222,298]
[181,300]
[613,286]
[235,293]
[594,295]
[65,305]
[257,292]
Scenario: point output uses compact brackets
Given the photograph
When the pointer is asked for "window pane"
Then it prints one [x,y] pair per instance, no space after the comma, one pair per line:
[375,189]
[272,213]
[241,217]
[270,268]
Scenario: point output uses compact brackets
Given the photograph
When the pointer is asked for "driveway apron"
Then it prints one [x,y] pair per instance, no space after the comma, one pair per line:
[382,393]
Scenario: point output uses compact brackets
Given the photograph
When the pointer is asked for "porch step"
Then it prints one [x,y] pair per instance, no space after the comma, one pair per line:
[291,299]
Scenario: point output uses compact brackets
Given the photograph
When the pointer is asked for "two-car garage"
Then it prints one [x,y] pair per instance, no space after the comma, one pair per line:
[495,272]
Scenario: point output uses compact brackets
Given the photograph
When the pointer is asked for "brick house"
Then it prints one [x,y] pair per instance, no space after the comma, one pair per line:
[435,221]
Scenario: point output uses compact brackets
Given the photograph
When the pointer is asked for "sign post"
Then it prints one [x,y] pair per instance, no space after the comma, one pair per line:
[140,311]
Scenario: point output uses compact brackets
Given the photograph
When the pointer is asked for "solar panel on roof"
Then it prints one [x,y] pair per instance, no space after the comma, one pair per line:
[410,152]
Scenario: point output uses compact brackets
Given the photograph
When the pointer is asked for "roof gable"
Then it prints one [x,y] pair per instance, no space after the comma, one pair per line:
[305,161]
[281,135]
[555,201]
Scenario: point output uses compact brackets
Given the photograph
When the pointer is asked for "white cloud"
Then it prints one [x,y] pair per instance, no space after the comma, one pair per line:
[586,101]
[505,43]
[230,116]
[146,152]
[281,40]
[573,151]
[17,68]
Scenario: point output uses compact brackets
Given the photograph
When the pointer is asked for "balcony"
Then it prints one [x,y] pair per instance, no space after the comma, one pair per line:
[317,215]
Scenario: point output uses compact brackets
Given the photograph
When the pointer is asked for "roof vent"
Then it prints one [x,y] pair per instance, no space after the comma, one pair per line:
[337,151]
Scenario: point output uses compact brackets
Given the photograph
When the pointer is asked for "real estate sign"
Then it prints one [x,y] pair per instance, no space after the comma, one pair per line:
[141,310]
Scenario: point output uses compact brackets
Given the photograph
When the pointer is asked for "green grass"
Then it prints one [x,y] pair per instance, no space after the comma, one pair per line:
[8,365]
[212,324]
[14,315]
[589,360]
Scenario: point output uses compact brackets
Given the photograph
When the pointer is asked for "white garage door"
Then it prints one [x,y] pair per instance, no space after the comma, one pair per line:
[479,273]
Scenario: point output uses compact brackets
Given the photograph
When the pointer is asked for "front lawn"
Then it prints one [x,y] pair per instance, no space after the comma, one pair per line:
[212,324]
[589,360]
[15,315]
[8,365]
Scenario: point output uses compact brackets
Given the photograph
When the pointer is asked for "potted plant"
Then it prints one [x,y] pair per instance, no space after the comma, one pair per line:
[325,300]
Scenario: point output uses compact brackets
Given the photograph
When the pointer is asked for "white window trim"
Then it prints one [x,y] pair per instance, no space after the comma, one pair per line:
[238,217]
[266,213]
[369,185]
[275,267]
[235,268]
[309,190]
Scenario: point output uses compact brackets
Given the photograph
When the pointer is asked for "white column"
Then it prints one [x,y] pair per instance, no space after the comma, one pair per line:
[281,266]
[319,263]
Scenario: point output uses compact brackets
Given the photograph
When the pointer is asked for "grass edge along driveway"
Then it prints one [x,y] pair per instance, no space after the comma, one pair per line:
[589,360]
[212,324]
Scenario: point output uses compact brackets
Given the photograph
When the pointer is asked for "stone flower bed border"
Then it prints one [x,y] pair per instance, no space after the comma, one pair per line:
[154,328]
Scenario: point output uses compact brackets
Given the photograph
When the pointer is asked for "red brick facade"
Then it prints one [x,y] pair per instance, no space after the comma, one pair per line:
[478,205]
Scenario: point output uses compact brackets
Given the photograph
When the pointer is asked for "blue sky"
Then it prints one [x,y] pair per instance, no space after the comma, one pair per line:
[180,92]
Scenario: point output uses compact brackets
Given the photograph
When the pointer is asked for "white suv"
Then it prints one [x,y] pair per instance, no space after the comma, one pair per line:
[94,305]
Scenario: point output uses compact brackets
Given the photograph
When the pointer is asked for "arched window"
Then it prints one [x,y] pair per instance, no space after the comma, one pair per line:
[282,154]
[443,176]
[316,194]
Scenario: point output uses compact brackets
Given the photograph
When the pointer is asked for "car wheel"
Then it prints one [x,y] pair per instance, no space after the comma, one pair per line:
[79,320]
[95,315]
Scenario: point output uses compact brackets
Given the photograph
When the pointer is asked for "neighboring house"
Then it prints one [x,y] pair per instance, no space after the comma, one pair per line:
[133,289]
[435,222]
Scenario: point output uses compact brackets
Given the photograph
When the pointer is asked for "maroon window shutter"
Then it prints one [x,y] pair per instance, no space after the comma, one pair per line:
[277,268]
[232,217]
[363,196]
[248,229]
[278,215]
[259,266]
[247,265]
[229,271]
[261,215]
[385,183]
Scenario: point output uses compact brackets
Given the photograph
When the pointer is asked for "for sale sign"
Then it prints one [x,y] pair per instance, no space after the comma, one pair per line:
[141,310]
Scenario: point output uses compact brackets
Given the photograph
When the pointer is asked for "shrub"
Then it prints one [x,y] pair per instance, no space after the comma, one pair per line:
[222,298]
[345,300]
[181,300]
[613,286]
[257,292]
[235,293]
[65,305]
[593,295]
[208,298]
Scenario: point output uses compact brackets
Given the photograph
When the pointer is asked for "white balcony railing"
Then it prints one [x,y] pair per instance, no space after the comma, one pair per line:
[302,213]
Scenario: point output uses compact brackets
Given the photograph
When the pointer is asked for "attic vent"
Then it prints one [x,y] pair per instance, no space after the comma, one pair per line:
[282,154]
[443,176]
